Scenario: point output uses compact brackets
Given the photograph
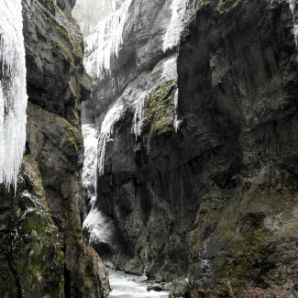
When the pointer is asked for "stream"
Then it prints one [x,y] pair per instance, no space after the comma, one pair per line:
[130,286]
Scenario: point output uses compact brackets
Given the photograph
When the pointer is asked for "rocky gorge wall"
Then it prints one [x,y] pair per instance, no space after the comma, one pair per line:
[42,250]
[215,202]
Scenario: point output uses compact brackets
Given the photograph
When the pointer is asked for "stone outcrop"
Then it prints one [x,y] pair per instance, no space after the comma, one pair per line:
[42,250]
[215,202]
[238,104]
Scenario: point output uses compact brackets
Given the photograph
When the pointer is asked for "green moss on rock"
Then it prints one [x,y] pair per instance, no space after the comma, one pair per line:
[69,43]
[161,108]
[34,259]
[244,263]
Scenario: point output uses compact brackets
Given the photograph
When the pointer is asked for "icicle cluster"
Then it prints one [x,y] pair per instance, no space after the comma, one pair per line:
[13,96]
[106,40]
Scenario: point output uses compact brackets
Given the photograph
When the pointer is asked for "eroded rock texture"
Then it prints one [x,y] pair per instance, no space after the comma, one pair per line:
[42,251]
[216,202]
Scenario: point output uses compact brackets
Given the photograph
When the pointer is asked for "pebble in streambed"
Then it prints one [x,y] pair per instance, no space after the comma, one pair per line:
[129,286]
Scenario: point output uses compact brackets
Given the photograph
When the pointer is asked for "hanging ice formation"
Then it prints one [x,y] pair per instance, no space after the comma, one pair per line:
[292,4]
[13,96]
[180,15]
[103,41]
[139,115]
[106,40]
[90,143]
[176,120]
[179,10]
[110,119]
[99,227]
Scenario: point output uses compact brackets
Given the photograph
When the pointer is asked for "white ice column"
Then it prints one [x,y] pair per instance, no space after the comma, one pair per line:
[13,96]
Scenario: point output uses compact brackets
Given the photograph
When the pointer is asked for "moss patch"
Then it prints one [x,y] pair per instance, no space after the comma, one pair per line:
[36,256]
[69,43]
[161,108]
[248,261]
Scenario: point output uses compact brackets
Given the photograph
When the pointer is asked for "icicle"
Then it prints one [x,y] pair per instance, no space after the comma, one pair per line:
[106,40]
[139,115]
[101,149]
[292,5]
[179,10]
[13,96]
[176,121]
[2,134]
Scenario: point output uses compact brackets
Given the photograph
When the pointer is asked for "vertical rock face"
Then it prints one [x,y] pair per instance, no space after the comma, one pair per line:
[238,104]
[42,250]
[215,202]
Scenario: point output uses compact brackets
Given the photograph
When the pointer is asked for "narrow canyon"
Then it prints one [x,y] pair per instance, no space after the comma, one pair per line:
[148,148]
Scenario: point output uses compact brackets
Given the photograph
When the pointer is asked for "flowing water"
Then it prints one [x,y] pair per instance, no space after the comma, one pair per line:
[129,286]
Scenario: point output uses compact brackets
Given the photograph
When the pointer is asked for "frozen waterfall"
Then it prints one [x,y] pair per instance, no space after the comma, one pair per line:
[180,15]
[13,96]
[179,10]
[99,227]
[90,143]
[104,36]
[105,40]
[113,115]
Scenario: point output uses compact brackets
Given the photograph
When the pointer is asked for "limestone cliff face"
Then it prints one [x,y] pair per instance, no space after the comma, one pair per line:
[238,102]
[42,250]
[217,201]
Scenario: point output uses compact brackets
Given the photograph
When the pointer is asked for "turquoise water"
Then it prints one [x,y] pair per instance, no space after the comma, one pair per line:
[129,286]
